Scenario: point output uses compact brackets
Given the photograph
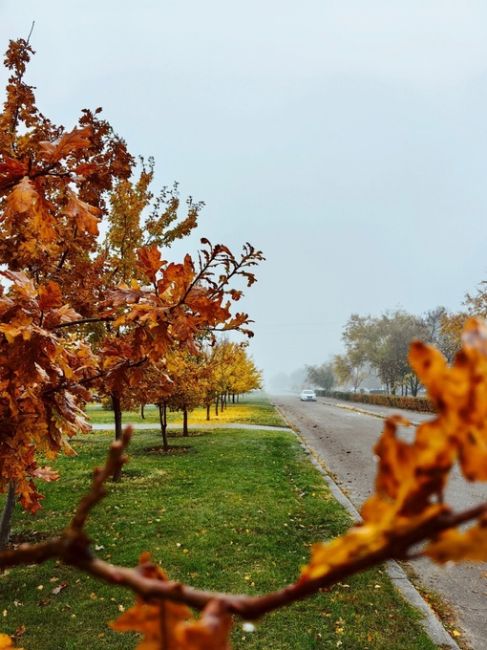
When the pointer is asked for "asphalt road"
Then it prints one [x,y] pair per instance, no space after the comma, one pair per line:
[344,438]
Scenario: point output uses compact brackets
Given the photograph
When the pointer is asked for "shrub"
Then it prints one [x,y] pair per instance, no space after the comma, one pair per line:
[394,401]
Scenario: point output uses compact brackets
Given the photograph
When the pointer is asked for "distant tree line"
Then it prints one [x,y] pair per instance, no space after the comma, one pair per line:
[377,346]
[380,344]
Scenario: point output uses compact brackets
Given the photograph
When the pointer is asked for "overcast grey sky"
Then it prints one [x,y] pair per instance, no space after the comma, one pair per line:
[347,139]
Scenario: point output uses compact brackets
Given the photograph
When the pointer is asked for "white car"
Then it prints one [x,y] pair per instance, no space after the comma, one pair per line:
[307,396]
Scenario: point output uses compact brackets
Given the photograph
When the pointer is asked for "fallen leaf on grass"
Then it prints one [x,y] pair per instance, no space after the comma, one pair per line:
[59,588]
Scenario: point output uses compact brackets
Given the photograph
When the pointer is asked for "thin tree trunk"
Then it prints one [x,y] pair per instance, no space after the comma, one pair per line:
[185,422]
[117,410]
[142,414]
[6,521]
[216,404]
[233,398]
[163,421]
[208,408]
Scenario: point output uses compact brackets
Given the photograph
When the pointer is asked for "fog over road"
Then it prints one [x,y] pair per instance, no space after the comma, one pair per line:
[344,438]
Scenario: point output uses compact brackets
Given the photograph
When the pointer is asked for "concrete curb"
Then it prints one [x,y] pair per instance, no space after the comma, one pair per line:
[429,621]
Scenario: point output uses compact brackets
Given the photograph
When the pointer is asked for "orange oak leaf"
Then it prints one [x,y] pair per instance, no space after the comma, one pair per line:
[6,643]
[157,622]
[210,632]
[22,198]
[455,545]
[67,144]
[11,169]
[150,260]
[84,215]
[50,296]
[38,224]
[46,474]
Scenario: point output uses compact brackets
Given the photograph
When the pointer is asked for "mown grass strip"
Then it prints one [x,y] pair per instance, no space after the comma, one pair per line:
[252,410]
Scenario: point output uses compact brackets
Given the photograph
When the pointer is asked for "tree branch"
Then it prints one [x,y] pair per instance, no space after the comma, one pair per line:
[73,548]
[84,321]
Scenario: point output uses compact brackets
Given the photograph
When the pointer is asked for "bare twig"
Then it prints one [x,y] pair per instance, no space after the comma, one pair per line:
[84,321]
[31,30]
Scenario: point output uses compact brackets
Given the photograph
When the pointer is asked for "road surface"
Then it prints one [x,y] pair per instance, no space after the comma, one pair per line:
[343,438]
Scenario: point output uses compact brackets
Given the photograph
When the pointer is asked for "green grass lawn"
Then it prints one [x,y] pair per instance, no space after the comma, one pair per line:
[252,409]
[238,512]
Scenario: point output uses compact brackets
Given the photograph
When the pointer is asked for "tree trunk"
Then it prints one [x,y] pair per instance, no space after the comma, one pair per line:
[233,398]
[222,403]
[185,422]
[142,414]
[6,521]
[208,407]
[117,410]
[216,405]
[163,421]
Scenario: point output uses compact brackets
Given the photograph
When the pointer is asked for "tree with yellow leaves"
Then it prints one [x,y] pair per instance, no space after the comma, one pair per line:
[234,373]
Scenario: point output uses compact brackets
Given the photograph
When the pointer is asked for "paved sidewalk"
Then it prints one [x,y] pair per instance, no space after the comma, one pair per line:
[144,426]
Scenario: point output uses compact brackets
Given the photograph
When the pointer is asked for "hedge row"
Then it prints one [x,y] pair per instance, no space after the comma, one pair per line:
[394,401]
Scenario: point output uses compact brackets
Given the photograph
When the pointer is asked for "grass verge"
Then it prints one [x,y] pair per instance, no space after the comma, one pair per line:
[237,512]
[250,410]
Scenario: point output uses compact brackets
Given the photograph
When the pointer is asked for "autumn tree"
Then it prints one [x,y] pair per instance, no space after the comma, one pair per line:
[155,387]
[349,369]
[170,310]
[60,289]
[246,376]
[443,329]
[357,336]
[139,224]
[321,376]
[137,218]
[210,360]
[187,390]
[383,343]
[234,372]
[53,185]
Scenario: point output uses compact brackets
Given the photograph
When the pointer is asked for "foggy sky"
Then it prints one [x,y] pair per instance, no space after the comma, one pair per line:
[345,139]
